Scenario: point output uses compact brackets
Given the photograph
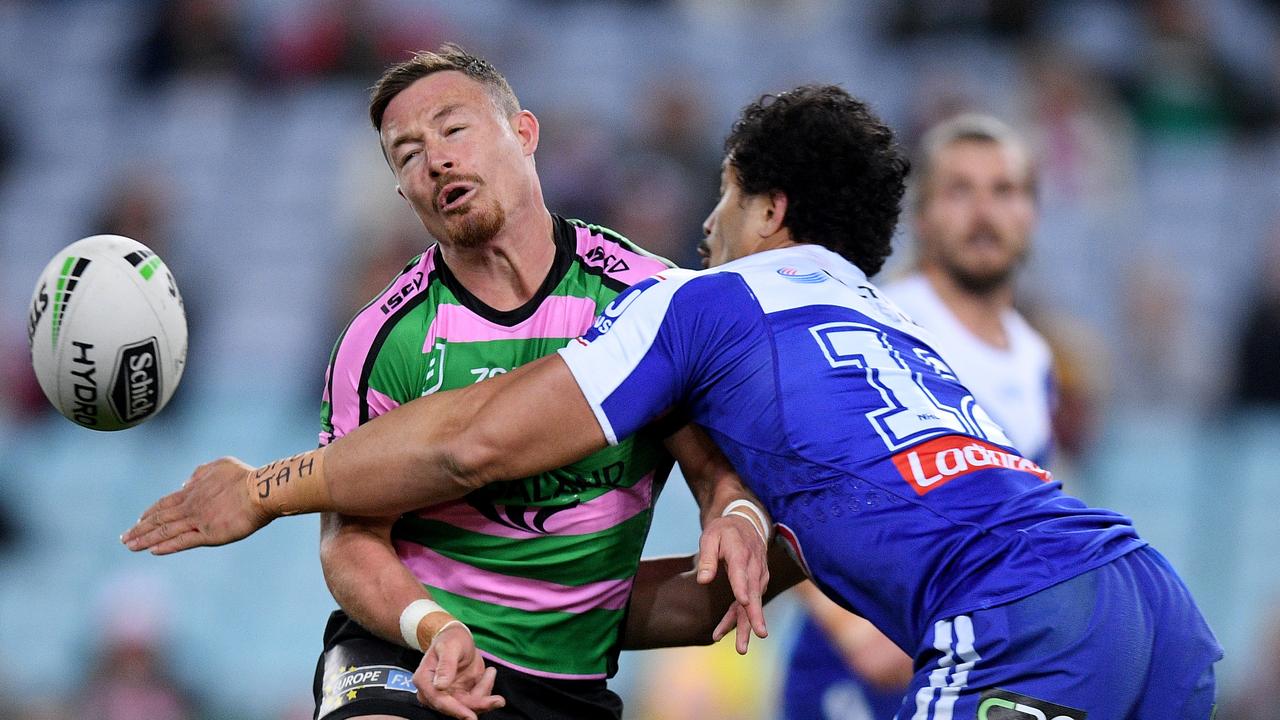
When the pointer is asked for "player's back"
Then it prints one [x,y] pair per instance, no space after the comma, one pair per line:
[916,468]
[895,486]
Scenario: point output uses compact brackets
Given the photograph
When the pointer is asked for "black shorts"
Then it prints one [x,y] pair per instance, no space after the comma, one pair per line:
[361,674]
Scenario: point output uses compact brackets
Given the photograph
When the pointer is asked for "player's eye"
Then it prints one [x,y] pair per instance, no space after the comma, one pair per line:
[409,156]
[453,130]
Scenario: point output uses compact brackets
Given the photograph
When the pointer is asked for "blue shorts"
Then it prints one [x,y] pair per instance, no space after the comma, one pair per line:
[1124,641]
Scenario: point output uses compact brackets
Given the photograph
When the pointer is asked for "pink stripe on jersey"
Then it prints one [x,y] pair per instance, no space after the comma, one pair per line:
[379,403]
[518,593]
[596,515]
[557,317]
[542,673]
[617,261]
[357,343]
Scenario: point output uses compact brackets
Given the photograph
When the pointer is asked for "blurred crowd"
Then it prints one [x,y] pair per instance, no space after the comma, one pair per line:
[230,136]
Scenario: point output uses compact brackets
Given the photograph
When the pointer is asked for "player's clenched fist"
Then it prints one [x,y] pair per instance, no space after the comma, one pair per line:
[452,678]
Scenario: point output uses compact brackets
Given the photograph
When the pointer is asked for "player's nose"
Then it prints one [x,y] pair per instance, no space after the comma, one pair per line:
[441,166]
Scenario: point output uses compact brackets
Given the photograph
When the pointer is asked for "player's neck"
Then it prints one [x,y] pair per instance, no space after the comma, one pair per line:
[980,313]
[507,271]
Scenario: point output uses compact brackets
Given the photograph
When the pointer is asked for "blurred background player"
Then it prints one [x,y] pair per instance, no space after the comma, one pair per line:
[539,569]
[973,210]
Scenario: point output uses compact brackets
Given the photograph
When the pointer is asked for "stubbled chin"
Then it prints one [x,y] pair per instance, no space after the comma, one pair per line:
[470,227]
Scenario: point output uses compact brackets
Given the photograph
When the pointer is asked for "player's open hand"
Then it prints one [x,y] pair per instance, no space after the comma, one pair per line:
[213,507]
[739,543]
[452,678]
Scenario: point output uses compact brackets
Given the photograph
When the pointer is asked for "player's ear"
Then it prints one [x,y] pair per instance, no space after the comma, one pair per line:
[775,212]
[526,129]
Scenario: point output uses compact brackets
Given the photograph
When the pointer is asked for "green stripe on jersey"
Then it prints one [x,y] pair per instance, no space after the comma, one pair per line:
[574,643]
[465,363]
[612,554]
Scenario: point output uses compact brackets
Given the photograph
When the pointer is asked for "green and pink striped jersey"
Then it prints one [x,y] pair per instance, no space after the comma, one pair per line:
[540,569]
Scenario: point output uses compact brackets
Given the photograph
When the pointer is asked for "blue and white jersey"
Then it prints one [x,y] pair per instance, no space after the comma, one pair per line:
[902,499]
[1014,384]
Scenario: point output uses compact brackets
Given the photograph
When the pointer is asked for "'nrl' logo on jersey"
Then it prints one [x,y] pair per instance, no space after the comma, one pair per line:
[434,378]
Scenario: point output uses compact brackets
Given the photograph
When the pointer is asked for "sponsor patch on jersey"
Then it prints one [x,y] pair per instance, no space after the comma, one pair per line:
[803,278]
[936,462]
[998,704]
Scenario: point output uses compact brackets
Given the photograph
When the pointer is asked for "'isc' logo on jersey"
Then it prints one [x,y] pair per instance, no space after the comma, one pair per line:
[936,462]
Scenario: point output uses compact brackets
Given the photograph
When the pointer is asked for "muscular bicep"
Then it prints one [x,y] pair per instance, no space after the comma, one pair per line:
[532,420]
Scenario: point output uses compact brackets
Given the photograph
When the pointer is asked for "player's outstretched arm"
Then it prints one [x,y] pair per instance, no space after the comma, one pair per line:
[432,449]
[370,583]
[735,529]
[670,608]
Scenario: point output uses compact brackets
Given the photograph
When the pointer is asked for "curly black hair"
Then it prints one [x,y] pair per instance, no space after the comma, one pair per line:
[836,162]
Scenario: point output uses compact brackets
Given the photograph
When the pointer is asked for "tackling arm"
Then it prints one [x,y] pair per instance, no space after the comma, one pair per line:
[442,446]
[433,449]
[735,529]
[669,608]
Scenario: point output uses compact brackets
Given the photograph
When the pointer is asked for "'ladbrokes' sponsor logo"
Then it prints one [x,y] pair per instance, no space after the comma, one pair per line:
[135,390]
[997,704]
[934,463]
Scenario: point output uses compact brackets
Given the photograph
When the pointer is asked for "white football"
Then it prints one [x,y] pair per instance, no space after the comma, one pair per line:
[108,333]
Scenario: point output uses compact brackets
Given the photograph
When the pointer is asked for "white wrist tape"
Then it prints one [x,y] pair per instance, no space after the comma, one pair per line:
[756,516]
[412,615]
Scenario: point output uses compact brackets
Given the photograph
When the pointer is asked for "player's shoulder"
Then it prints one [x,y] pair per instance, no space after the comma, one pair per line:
[608,253]
[912,284]
[799,276]
[1028,339]
[406,291]
[679,291]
